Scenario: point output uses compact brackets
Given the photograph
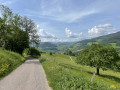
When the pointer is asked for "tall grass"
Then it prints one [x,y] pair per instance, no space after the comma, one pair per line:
[64,74]
[9,61]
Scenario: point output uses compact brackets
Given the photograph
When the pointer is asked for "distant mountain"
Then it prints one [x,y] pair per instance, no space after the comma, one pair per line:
[54,46]
[109,40]
[48,47]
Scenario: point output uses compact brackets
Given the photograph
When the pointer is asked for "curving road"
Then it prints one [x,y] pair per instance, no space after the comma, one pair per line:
[29,76]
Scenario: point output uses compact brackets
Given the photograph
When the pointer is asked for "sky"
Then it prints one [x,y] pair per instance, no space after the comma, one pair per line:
[69,20]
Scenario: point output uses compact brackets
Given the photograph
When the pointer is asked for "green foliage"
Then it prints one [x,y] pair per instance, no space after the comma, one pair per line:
[64,74]
[32,51]
[18,41]
[98,56]
[69,52]
[48,47]
[9,61]
[51,53]
[16,32]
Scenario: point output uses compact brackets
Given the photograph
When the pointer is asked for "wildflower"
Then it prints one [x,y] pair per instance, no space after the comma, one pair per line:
[52,68]
[112,86]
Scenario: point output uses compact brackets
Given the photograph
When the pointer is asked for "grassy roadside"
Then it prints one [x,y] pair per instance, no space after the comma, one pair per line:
[64,74]
[9,61]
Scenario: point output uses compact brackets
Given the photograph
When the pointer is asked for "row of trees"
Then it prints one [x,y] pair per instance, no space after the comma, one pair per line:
[16,32]
[99,56]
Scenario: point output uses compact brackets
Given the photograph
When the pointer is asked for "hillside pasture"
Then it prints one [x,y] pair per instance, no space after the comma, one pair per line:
[65,74]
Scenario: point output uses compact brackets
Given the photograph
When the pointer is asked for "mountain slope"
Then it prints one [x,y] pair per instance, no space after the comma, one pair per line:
[109,40]
[48,47]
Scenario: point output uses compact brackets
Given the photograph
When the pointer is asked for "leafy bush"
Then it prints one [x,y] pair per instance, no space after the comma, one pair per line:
[9,61]
[51,53]
[32,51]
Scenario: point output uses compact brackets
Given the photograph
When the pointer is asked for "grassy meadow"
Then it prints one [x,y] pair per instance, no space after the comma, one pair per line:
[9,61]
[64,74]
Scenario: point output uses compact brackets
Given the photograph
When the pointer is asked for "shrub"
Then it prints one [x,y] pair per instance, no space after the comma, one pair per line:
[51,53]
[32,51]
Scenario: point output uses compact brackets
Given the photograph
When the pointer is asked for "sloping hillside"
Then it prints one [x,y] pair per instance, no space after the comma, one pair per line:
[110,40]
[9,61]
[48,47]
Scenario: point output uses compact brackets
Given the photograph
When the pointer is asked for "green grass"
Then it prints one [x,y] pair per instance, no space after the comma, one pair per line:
[114,45]
[64,74]
[9,61]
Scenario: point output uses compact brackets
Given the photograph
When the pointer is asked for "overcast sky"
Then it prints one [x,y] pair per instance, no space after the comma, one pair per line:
[69,20]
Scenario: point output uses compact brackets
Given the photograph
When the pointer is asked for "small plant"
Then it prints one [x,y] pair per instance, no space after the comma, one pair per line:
[112,86]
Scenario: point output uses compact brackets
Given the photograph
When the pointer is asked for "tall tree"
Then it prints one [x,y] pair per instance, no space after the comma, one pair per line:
[16,21]
[98,56]
[18,41]
[7,14]
[16,30]
[5,32]
[30,27]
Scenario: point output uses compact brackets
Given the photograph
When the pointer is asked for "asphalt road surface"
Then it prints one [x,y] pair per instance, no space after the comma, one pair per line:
[29,76]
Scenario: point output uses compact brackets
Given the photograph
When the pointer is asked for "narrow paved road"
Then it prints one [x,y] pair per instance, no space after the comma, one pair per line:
[29,76]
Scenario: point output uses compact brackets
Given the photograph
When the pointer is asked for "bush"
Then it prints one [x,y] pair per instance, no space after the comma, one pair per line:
[32,51]
[51,53]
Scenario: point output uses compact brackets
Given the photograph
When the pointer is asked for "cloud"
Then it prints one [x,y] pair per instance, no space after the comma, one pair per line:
[63,12]
[8,2]
[48,37]
[101,30]
[73,35]
[74,16]
[44,34]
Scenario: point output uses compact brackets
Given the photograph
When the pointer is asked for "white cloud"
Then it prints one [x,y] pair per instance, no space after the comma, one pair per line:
[8,2]
[63,12]
[48,37]
[44,34]
[101,30]
[74,16]
[73,35]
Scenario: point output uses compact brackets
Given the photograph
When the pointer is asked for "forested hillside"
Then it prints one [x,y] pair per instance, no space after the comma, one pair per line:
[108,40]
[48,47]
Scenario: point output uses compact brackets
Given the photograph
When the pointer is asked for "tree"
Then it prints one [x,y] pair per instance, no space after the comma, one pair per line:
[98,56]
[69,52]
[11,36]
[18,41]
[6,13]
[16,32]
[30,28]
[5,32]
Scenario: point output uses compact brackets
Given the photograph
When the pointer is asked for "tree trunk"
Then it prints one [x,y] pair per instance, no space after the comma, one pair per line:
[98,71]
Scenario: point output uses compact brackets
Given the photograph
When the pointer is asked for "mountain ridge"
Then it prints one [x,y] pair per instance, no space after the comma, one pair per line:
[109,40]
